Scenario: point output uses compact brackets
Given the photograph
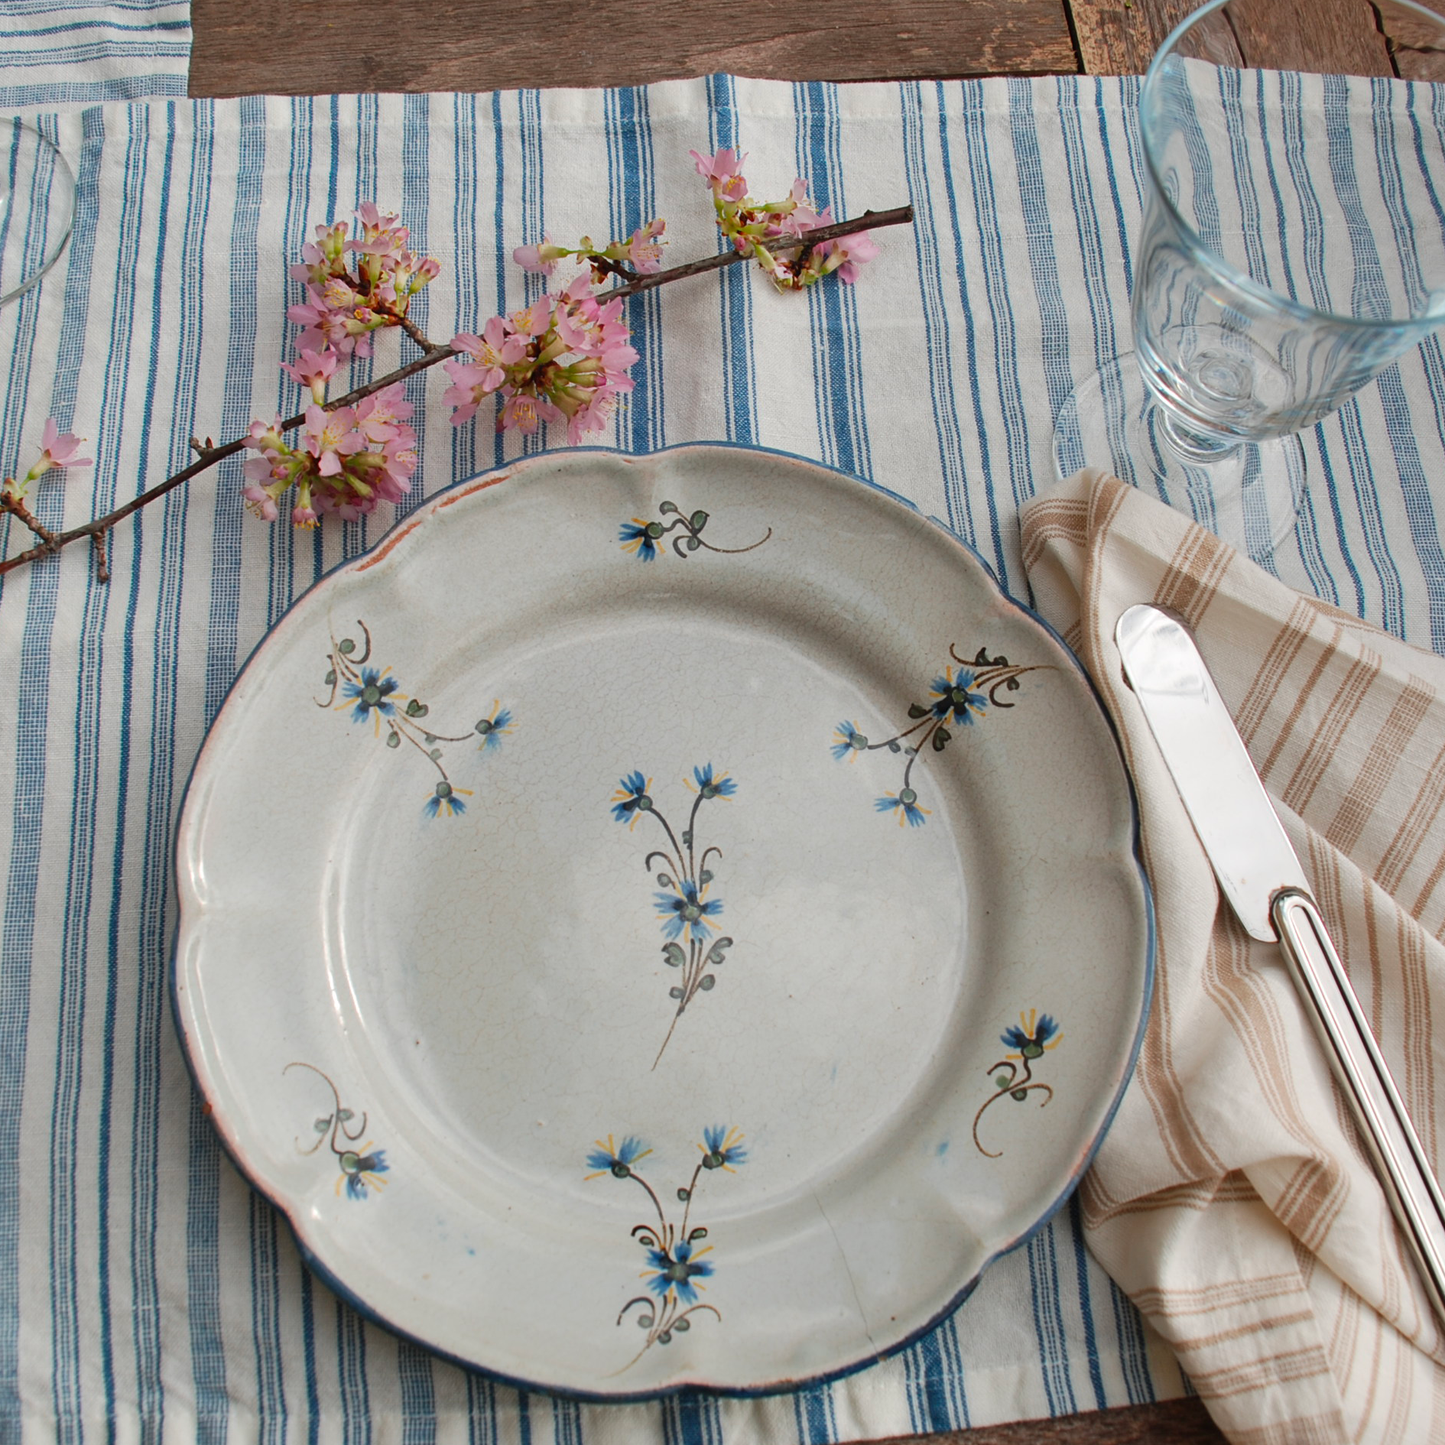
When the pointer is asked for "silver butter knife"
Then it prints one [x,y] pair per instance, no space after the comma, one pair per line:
[1261,877]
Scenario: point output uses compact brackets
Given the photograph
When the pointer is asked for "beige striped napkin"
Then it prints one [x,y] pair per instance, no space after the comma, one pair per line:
[1231,1199]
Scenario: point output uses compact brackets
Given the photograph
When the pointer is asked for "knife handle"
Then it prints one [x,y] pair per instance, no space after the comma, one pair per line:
[1355,1058]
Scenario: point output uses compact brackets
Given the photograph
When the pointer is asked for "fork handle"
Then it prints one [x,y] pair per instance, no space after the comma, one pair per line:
[1355,1058]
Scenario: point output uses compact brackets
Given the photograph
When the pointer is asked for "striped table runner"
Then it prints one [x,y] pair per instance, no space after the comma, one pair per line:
[142,1285]
[59,54]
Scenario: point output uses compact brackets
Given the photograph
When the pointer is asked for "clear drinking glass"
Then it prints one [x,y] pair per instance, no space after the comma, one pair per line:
[37,207]
[1293,246]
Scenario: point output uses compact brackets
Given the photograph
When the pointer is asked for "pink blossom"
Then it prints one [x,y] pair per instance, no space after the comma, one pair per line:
[379,417]
[303,516]
[847,254]
[723,172]
[330,436]
[59,450]
[261,502]
[592,416]
[495,349]
[541,258]
[469,387]
[643,250]
[533,320]
[313,369]
[522,412]
[263,438]
[327,326]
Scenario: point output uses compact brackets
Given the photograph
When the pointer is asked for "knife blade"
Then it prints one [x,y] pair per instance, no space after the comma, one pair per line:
[1261,877]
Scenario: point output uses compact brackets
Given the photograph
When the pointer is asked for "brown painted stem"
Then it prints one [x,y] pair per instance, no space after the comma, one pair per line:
[52,542]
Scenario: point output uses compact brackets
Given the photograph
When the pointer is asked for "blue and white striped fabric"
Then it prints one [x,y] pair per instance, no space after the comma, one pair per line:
[145,1291]
[60,54]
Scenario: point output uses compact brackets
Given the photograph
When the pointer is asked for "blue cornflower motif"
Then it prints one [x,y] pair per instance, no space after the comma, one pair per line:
[371,692]
[676,1271]
[614,1158]
[951,695]
[1033,1038]
[722,1148]
[848,742]
[906,801]
[492,729]
[631,798]
[359,1170]
[641,538]
[711,787]
[448,797]
[686,909]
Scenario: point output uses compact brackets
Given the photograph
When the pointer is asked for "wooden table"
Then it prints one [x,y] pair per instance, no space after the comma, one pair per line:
[270,46]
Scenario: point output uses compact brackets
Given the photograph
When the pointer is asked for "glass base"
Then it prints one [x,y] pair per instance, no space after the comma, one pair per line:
[37,206]
[1249,495]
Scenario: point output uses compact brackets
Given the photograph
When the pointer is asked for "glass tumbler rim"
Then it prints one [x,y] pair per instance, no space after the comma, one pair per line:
[1207,257]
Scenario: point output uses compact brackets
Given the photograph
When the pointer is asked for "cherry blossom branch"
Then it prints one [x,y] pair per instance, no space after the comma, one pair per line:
[210,454]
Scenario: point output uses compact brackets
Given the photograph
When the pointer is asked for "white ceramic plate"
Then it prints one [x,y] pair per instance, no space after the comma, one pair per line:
[661,921]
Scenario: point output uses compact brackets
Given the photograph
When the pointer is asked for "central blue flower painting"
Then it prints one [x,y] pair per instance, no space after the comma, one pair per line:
[687,908]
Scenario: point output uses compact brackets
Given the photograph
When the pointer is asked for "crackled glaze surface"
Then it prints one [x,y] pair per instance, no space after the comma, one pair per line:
[581,853]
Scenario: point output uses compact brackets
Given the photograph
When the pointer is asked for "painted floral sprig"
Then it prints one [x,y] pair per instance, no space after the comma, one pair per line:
[675,1256]
[684,909]
[563,359]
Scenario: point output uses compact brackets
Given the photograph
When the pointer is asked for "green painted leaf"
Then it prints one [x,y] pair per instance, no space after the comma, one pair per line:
[393,740]
[707,983]
[346,646]
[705,876]
[434,754]
[698,521]
[667,507]
[674,993]
[673,955]
[941,739]
[330,678]
[916,709]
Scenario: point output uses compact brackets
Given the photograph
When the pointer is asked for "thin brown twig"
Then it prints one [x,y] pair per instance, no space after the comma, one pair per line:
[611,267]
[13,503]
[52,542]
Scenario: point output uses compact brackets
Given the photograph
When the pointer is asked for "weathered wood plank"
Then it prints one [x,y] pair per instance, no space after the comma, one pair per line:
[303,47]
[1174,1422]
[1119,37]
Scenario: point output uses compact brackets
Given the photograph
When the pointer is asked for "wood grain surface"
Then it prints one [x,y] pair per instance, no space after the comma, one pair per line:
[272,46]
[1175,1422]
